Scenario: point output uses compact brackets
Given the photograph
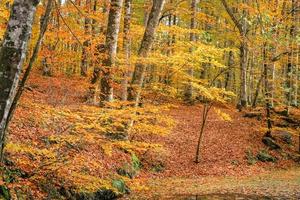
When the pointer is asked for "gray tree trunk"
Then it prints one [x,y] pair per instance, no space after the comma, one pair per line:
[229,73]
[126,48]
[243,29]
[43,27]
[188,95]
[12,56]
[113,27]
[267,92]
[86,43]
[243,70]
[134,91]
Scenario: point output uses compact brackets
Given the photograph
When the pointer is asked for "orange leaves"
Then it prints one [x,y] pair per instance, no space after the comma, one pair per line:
[66,140]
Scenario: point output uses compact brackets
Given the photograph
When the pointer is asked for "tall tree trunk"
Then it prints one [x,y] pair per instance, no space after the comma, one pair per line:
[113,27]
[86,43]
[134,91]
[188,95]
[126,48]
[229,73]
[297,46]
[94,22]
[43,27]
[12,56]
[251,78]
[243,70]
[100,49]
[272,87]
[267,92]
[243,29]
[288,83]
[291,63]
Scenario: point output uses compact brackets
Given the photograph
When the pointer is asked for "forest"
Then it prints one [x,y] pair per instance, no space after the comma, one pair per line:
[149,99]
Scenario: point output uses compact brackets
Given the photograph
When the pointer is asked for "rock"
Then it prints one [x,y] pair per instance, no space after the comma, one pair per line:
[256,115]
[102,194]
[127,171]
[264,156]
[158,168]
[117,135]
[284,136]
[270,143]
[4,192]
[295,157]
[282,124]
[99,195]
[120,185]
[251,159]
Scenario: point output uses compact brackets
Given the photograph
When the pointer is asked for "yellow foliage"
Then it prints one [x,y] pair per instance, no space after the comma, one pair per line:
[222,115]
[28,149]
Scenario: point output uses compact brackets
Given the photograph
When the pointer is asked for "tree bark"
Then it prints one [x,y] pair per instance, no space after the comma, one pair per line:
[86,43]
[243,29]
[134,91]
[229,73]
[43,27]
[188,95]
[126,48]
[267,93]
[254,102]
[113,27]
[12,56]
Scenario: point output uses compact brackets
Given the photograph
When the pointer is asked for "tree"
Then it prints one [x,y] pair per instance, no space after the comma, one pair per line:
[243,30]
[134,91]
[86,43]
[126,47]
[12,56]
[113,27]
[43,28]
[189,89]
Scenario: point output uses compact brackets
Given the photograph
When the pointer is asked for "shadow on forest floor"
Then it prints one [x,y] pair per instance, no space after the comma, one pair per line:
[226,197]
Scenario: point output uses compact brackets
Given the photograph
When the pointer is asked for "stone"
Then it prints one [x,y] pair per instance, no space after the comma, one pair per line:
[270,143]
[127,171]
[117,135]
[284,136]
[101,194]
[158,168]
[256,115]
[120,185]
[251,159]
[264,156]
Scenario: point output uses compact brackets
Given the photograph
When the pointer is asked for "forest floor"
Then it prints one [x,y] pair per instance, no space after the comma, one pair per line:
[223,167]
[278,184]
[47,141]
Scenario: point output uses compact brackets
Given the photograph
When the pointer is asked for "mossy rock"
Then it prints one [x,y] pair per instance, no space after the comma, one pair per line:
[117,135]
[158,168]
[257,115]
[295,157]
[127,170]
[251,159]
[270,143]
[284,136]
[264,156]
[121,186]
[101,194]
[4,193]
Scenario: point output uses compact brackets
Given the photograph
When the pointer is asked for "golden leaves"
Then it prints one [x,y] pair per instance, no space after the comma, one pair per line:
[224,116]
